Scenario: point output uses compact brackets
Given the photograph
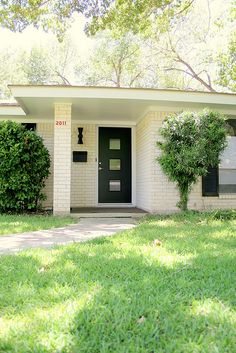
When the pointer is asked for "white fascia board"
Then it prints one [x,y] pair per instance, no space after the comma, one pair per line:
[11,111]
[119,93]
[179,109]
[229,110]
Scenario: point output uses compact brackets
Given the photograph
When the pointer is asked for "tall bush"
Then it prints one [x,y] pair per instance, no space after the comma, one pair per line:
[192,142]
[24,167]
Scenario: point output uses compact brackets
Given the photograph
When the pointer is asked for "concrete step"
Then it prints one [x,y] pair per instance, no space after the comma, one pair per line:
[109,215]
[108,212]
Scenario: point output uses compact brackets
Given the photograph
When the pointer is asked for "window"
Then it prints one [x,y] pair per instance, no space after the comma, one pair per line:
[114,144]
[30,126]
[114,164]
[227,181]
[210,183]
[222,179]
[114,185]
[227,168]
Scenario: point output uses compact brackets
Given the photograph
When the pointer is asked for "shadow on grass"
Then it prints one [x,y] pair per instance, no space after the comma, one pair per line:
[123,295]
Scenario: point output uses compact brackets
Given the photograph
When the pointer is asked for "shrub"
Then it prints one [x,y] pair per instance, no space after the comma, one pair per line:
[24,167]
[192,142]
[223,215]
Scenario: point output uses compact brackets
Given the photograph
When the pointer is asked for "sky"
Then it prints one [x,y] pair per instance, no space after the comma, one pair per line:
[32,36]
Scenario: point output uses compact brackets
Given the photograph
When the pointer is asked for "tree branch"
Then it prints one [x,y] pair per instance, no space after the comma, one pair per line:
[185,8]
[195,75]
[64,79]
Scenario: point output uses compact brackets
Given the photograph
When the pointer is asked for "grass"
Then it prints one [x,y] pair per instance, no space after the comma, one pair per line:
[124,294]
[11,224]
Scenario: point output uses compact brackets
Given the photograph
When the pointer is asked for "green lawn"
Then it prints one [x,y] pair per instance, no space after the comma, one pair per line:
[123,294]
[11,224]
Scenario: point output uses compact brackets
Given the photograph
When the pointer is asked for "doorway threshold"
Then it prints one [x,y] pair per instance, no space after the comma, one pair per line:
[108,212]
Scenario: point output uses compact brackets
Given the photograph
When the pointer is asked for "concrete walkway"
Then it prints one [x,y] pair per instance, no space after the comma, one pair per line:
[86,229]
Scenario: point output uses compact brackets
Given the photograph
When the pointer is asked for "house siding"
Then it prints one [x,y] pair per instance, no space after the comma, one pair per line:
[144,163]
[62,159]
[84,174]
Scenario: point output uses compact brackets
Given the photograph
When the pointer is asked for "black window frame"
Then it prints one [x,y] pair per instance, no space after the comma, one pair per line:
[205,180]
[30,126]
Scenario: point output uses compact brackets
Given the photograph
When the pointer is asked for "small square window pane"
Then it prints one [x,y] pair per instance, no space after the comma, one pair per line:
[114,144]
[227,181]
[114,164]
[114,185]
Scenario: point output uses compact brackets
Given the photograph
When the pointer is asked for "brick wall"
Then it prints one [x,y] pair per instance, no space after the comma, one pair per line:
[154,192]
[143,164]
[84,175]
[62,159]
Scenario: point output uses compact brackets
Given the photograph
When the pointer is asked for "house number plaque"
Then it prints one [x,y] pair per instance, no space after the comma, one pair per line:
[60,122]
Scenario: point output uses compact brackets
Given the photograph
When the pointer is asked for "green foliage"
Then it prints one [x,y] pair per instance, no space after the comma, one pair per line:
[35,67]
[137,15]
[24,167]
[116,61]
[55,15]
[192,142]
[223,215]
[50,15]
[227,66]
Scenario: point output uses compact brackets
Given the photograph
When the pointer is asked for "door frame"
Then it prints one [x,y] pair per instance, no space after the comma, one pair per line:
[133,166]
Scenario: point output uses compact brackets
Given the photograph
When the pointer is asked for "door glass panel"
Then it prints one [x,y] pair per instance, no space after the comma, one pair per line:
[114,164]
[114,144]
[114,185]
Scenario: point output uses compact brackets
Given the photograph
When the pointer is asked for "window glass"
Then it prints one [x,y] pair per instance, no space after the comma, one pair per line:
[114,144]
[231,127]
[114,164]
[227,181]
[30,126]
[114,185]
[227,168]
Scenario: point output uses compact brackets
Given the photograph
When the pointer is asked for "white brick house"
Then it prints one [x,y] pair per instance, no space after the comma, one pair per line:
[116,141]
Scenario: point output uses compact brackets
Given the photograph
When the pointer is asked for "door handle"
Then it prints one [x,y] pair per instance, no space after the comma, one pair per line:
[99,166]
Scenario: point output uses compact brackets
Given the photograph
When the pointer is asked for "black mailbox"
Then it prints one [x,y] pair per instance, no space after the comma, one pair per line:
[80,156]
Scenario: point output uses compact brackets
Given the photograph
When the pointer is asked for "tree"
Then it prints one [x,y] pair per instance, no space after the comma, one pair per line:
[10,71]
[53,64]
[36,67]
[62,58]
[187,50]
[118,62]
[24,167]
[192,142]
[227,66]
[54,15]
[227,59]
[137,15]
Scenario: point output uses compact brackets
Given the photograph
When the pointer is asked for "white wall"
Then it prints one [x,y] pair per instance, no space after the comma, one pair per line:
[84,174]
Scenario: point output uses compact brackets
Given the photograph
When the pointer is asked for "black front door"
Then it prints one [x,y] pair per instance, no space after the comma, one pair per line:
[114,165]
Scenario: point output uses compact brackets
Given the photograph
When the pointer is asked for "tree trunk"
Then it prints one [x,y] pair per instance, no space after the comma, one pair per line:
[184,195]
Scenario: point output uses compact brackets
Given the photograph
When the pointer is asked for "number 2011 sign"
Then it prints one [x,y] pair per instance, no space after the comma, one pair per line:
[60,122]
